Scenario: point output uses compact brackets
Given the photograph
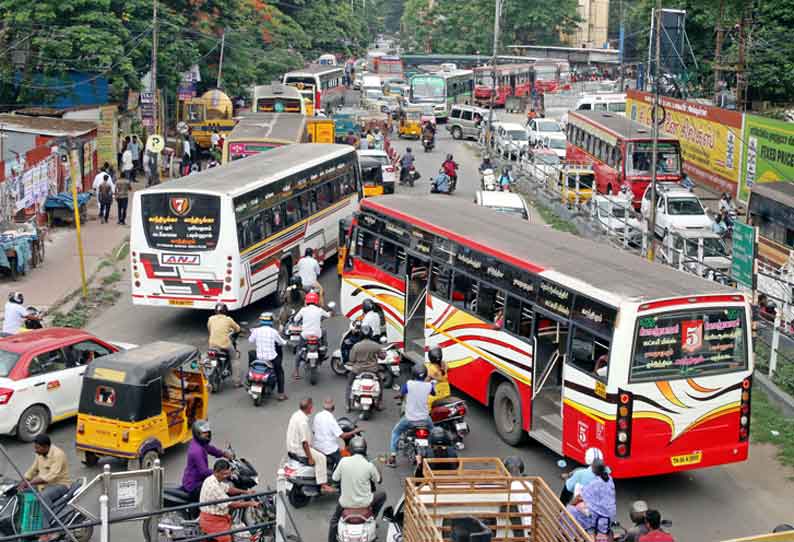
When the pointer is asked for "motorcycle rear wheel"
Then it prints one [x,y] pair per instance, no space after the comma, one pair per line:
[297,498]
[312,375]
[387,378]
[366,414]
[338,367]
[258,400]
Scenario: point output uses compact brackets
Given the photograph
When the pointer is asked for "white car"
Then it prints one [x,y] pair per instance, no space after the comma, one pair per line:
[41,373]
[686,245]
[388,169]
[676,209]
[373,99]
[541,164]
[539,129]
[508,203]
[615,216]
[556,143]
[510,140]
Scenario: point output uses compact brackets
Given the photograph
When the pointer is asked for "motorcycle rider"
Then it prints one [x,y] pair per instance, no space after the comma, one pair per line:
[216,518]
[363,359]
[221,327]
[441,183]
[327,433]
[349,340]
[197,468]
[299,444]
[486,164]
[357,477]
[440,448]
[49,474]
[311,319]
[14,314]
[371,318]
[294,301]
[308,269]
[505,180]
[429,133]
[269,345]
[406,162]
[653,522]
[415,392]
[580,477]
[451,169]
[637,516]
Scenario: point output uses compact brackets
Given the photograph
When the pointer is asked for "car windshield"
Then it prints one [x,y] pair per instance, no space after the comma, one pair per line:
[547,159]
[374,94]
[7,362]
[548,126]
[684,206]
[511,211]
[712,248]
[555,143]
[518,135]
[640,158]
[382,160]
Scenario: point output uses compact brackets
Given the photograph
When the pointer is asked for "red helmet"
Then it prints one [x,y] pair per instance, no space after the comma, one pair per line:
[312,298]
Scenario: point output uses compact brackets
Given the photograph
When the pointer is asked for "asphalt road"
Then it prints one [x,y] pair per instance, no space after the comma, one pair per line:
[712,504]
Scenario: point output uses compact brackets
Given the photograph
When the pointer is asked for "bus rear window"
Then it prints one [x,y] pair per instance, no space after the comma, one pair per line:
[688,344]
[278,105]
[184,222]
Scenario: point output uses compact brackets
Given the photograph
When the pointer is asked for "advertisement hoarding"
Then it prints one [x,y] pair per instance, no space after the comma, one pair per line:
[769,153]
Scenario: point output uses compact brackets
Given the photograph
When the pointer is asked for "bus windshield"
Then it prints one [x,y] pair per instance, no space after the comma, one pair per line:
[427,89]
[688,344]
[180,221]
[640,157]
[484,81]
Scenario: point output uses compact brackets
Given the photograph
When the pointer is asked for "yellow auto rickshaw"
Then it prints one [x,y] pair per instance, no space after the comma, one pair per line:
[411,122]
[137,403]
[576,184]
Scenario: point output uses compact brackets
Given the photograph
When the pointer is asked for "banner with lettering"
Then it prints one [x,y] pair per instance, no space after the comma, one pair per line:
[769,153]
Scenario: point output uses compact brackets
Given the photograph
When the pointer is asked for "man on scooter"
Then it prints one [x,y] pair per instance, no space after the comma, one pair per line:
[440,448]
[221,327]
[451,169]
[357,477]
[299,444]
[294,300]
[406,163]
[197,468]
[441,183]
[311,319]
[364,359]
[415,393]
[269,345]
[371,318]
[327,433]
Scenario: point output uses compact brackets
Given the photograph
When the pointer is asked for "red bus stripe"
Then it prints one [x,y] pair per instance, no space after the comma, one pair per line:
[689,301]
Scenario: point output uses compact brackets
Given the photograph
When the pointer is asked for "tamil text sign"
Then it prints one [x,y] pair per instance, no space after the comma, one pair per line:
[710,137]
[768,154]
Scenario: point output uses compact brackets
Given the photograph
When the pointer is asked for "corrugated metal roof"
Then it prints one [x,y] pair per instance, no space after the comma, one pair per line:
[46,125]
[781,191]
[606,268]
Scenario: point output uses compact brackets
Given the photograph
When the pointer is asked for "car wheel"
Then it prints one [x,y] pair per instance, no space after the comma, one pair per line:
[457,133]
[507,414]
[33,422]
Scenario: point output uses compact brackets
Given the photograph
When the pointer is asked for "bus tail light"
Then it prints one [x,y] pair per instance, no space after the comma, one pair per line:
[744,410]
[623,424]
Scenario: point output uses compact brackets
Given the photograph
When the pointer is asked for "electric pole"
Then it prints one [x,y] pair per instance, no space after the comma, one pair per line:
[718,55]
[741,65]
[655,130]
[621,46]
[153,82]
[220,61]
[497,16]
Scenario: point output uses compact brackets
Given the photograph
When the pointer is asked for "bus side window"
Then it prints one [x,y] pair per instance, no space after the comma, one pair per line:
[277,218]
[323,195]
[292,211]
[392,258]
[590,354]
[464,291]
[367,246]
[306,204]
[490,302]
[518,316]
[440,278]
[241,230]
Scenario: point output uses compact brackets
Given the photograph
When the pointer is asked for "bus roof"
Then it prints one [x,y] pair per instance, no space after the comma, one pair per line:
[780,191]
[315,69]
[281,126]
[615,124]
[540,249]
[262,168]
[277,89]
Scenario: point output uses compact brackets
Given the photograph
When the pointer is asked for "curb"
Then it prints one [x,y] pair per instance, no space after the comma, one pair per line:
[776,395]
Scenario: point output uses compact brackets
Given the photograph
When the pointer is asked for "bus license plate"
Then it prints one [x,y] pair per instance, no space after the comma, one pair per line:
[181,302]
[686,459]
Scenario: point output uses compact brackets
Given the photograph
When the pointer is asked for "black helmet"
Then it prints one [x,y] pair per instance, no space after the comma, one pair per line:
[439,437]
[357,445]
[296,281]
[221,308]
[16,297]
[420,372]
[514,465]
[408,149]
[449,157]
[309,252]
[435,355]
[199,428]
[367,305]
[345,424]
[366,330]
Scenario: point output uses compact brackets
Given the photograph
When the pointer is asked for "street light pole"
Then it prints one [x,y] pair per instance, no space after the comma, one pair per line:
[655,131]
[497,16]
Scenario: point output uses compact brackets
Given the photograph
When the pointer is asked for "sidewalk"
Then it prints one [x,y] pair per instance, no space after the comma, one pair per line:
[59,275]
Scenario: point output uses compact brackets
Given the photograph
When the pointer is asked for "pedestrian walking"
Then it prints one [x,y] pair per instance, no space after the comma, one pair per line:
[105,197]
[128,164]
[123,189]
[186,155]
[135,147]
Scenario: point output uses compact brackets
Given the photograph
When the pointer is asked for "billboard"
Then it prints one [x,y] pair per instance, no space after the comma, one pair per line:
[769,153]
[710,137]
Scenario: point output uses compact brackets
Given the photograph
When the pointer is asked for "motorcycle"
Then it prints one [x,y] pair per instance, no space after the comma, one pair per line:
[488,179]
[183,524]
[217,366]
[389,358]
[410,175]
[365,393]
[12,510]
[414,441]
[293,333]
[428,143]
[302,484]
[261,379]
[449,412]
[311,355]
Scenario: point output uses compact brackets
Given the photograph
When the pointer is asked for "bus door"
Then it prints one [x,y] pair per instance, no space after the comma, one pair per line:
[416,280]
[551,343]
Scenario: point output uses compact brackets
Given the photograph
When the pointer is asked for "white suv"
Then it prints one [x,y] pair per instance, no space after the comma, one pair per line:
[510,140]
[676,209]
[542,129]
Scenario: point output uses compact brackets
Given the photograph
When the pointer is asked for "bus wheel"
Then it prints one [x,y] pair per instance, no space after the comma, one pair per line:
[283,282]
[507,414]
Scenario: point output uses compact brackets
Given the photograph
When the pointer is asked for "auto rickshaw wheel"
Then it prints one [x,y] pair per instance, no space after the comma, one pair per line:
[148,459]
[89,459]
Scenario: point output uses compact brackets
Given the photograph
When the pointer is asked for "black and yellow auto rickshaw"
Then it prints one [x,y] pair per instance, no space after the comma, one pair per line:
[411,122]
[372,181]
[137,403]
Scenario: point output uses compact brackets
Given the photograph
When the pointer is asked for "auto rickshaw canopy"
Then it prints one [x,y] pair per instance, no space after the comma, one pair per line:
[140,366]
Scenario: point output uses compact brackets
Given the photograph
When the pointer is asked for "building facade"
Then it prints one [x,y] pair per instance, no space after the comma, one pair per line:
[592,31]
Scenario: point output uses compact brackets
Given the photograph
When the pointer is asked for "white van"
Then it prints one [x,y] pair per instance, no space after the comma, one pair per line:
[371,82]
[609,102]
[508,203]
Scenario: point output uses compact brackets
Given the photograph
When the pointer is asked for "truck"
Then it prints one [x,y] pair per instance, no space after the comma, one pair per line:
[478,495]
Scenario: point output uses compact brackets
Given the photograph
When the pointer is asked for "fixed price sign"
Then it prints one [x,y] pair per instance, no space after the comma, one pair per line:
[743,253]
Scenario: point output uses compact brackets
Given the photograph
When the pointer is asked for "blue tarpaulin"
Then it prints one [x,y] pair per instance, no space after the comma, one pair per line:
[64,200]
[22,245]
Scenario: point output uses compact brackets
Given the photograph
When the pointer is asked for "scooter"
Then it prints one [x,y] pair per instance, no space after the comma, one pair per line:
[293,333]
[356,525]
[217,366]
[488,180]
[389,358]
[302,484]
[449,412]
[364,394]
[410,175]
[12,510]
[428,143]
[261,379]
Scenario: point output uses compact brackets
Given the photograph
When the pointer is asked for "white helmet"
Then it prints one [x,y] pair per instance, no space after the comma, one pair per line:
[592,454]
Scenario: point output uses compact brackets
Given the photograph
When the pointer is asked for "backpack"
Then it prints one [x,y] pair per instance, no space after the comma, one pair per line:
[105,192]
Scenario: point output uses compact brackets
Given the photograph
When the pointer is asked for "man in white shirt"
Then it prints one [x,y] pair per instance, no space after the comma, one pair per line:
[215,138]
[308,269]
[371,318]
[299,444]
[14,313]
[127,164]
[327,432]
[311,318]
[268,343]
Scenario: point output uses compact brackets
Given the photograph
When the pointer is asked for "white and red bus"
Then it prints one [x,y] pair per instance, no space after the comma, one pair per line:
[511,80]
[232,234]
[577,344]
[321,84]
[389,67]
[551,75]
[620,151]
